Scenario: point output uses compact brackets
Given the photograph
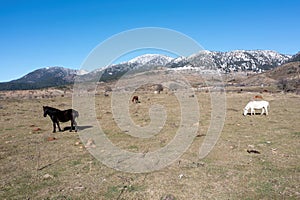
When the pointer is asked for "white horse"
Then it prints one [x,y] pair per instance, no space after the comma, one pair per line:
[252,105]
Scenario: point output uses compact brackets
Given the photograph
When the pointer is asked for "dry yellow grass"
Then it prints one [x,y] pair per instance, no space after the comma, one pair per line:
[228,172]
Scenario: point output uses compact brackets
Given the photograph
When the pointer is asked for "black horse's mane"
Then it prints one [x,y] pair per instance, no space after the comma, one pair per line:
[51,108]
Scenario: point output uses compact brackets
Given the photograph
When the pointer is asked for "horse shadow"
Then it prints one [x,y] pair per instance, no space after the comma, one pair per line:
[79,128]
[256,114]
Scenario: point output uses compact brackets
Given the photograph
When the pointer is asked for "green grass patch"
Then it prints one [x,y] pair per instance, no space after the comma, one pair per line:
[112,192]
[296,134]
[133,148]
[75,162]
[59,197]
[265,190]
[25,187]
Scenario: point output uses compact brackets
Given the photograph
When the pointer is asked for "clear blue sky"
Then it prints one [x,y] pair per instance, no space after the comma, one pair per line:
[41,33]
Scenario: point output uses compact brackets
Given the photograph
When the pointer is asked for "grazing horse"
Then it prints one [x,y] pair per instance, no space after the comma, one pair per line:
[252,105]
[258,97]
[135,99]
[57,116]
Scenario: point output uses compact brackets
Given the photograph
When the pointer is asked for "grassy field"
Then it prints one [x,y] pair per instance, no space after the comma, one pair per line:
[32,167]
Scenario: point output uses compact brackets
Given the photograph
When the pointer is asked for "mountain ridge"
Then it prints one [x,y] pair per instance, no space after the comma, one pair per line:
[42,78]
[226,62]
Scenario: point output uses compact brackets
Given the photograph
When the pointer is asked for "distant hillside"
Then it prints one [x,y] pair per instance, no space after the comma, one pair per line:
[289,71]
[286,77]
[42,78]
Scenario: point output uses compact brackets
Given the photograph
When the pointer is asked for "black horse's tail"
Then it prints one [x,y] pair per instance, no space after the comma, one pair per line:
[75,113]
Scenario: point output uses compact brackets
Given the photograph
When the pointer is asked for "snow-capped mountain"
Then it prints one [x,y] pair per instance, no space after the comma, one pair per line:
[139,63]
[239,60]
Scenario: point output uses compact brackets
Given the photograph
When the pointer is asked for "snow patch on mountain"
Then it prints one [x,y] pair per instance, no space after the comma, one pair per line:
[151,59]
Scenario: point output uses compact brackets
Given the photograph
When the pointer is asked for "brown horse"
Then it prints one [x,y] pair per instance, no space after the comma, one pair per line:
[258,97]
[57,116]
[135,99]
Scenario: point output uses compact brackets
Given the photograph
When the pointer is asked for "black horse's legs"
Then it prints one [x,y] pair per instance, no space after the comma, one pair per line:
[54,127]
[73,125]
[58,126]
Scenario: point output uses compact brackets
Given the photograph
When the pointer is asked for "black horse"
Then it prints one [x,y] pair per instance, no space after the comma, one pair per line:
[57,116]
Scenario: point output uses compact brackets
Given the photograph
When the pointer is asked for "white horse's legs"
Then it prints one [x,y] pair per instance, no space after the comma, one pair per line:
[262,111]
